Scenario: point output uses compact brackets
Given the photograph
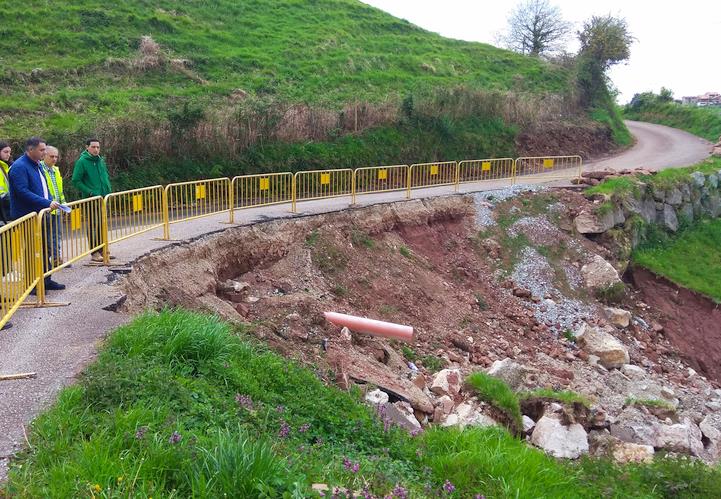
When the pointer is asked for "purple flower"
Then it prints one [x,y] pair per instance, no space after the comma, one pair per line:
[479,496]
[416,431]
[284,430]
[175,438]
[304,427]
[350,465]
[244,401]
[280,409]
[400,492]
[140,433]
[449,487]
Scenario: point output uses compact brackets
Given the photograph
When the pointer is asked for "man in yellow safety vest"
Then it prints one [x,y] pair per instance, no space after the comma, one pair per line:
[55,185]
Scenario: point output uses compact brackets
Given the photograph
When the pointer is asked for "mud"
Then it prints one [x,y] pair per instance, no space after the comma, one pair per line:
[690,321]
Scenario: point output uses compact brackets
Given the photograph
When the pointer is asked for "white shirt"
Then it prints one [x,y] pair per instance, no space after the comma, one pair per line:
[46,192]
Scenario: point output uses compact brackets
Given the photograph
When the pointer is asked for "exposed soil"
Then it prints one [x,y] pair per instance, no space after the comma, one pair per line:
[588,140]
[692,322]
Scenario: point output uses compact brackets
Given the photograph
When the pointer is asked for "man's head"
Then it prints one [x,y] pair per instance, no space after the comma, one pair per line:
[35,148]
[51,156]
[93,147]
[5,152]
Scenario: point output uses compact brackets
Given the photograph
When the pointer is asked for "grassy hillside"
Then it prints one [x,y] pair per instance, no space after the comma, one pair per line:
[184,90]
[181,405]
[702,121]
[67,62]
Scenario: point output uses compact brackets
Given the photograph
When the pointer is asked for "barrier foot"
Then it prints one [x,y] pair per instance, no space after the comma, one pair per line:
[47,304]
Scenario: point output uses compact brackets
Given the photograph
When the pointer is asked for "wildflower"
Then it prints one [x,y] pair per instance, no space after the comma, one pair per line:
[400,492]
[280,409]
[244,401]
[416,431]
[120,478]
[140,433]
[304,427]
[284,430]
[175,438]
[479,496]
[449,487]
[97,487]
[350,465]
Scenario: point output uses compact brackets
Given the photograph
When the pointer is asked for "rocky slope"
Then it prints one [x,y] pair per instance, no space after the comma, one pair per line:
[500,282]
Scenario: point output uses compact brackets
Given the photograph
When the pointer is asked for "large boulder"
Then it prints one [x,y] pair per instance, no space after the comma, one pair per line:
[684,438]
[633,426]
[599,274]
[699,179]
[626,452]
[610,351]
[618,317]
[512,373]
[558,440]
[711,429]
[447,382]
[588,222]
[674,197]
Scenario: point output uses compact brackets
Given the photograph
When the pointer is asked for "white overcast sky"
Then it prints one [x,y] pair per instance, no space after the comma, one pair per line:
[678,43]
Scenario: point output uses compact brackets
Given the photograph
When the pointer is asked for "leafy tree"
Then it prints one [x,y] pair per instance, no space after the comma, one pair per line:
[536,28]
[665,95]
[605,42]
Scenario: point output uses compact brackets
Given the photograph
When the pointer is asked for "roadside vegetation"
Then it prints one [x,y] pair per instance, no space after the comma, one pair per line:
[662,109]
[182,405]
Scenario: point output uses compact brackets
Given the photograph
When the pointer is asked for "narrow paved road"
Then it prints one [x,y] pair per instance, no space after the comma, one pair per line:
[656,147]
[58,343]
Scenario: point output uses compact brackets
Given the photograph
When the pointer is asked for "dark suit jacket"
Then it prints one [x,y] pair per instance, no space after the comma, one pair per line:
[26,189]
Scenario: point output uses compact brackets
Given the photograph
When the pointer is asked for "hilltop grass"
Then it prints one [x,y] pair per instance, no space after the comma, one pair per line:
[691,258]
[702,121]
[498,394]
[326,52]
[181,405]
[563,396]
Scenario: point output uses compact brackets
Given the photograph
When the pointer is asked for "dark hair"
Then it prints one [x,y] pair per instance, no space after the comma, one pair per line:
[3,145]
[33,142]
[87,142]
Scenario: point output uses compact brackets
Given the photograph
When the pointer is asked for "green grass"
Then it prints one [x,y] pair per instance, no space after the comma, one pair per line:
[563,396]
[661,404]
[691,258]
[704,122]
[498,394]
[404,251]
[182,405]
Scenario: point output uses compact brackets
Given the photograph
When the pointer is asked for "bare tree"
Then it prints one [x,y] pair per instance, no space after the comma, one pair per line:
[536,28]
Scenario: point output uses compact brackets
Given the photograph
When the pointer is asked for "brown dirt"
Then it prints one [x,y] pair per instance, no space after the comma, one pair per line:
[587,140]
[691,321]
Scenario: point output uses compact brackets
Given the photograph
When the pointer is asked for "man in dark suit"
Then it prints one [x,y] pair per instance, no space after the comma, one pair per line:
[29,189]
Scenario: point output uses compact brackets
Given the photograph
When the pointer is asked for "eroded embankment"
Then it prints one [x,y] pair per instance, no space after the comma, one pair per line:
[691,321]
[495,280]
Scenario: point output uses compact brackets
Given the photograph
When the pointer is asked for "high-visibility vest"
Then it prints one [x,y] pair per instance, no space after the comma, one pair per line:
[4,182]
[55,183]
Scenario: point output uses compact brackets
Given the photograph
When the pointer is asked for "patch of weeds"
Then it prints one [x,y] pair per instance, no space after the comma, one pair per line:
[512,246]
[481,302]
[403,250]
[612,294]
[650,403]
[568,334]
[388,310]
[312,238]
[329,258]
[409,353]
[497,393]
[433,363]
[604,208]
[562,396]
[339,291]
[360,238]
[465,322]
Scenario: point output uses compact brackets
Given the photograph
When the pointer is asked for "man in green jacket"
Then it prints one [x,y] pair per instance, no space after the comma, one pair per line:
[90,177]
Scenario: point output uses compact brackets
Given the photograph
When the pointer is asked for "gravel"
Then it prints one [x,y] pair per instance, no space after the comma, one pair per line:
[485,201]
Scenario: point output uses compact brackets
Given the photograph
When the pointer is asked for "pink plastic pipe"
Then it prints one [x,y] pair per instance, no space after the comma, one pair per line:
[370,326]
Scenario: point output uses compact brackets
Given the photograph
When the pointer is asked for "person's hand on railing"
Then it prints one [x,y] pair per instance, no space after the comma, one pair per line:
[54,205]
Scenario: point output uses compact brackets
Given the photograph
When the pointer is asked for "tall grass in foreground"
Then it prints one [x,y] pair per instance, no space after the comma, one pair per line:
[181,405]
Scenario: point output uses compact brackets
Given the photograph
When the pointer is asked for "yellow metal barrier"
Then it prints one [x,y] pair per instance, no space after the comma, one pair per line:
[548,167]
[318,184]
[432,174]
[479,170]
[19,241]
[133,212]
[249,191]
[380,179]
[69,237]
[196,199]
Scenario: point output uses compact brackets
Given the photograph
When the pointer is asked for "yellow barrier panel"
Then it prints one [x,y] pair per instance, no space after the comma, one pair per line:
[18,268]
[69,237]
[432,174]
[133,212]
[380,179]
[548,167]
[196,199]
[479,170]
[261,190]
[318,184]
